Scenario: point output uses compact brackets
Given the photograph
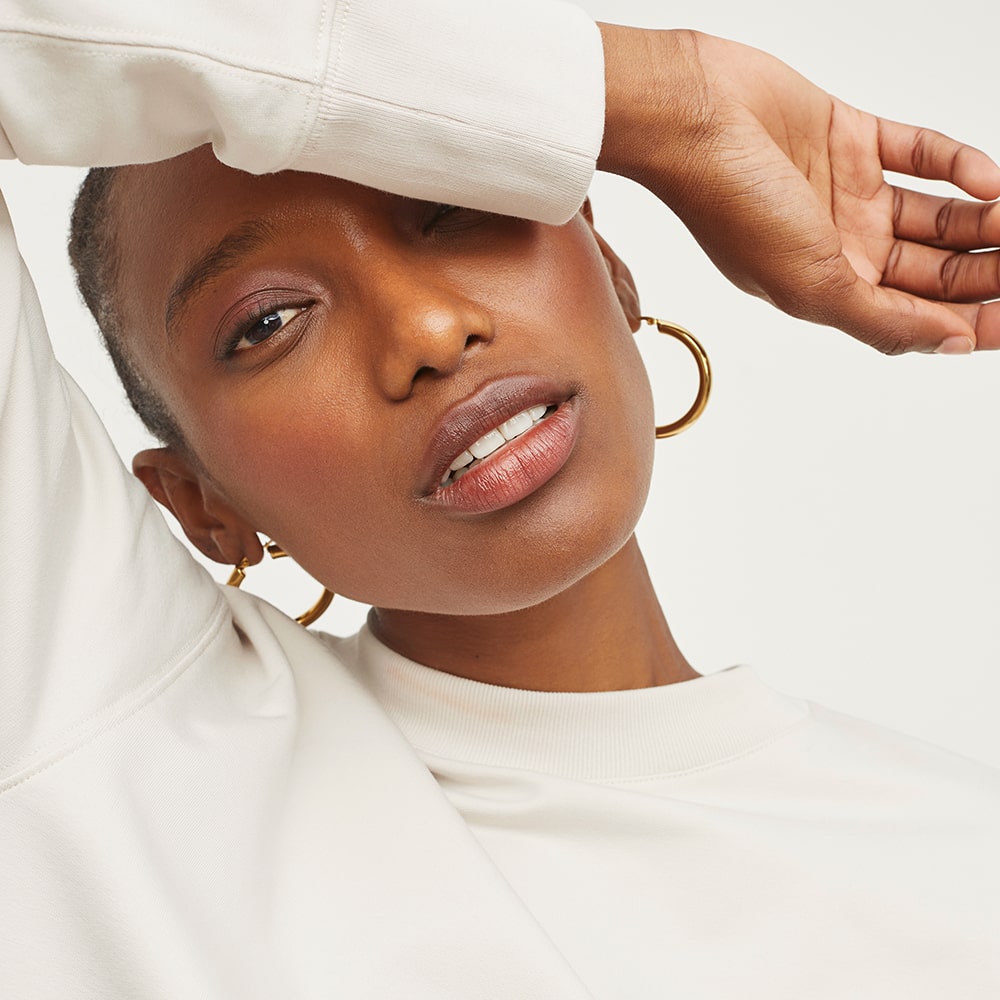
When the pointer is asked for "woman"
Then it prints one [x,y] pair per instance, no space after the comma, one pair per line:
[224,804]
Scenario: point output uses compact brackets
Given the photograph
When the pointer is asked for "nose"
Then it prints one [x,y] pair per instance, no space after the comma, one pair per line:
[427,328]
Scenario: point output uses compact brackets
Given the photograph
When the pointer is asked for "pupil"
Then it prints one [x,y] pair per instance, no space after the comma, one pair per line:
[265,327]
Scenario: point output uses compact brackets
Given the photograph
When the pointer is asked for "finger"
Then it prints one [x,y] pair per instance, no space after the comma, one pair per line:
[949,223]
[895,322]
[941,274]
[983,319]
[890,320]
[923,152]
[986,323]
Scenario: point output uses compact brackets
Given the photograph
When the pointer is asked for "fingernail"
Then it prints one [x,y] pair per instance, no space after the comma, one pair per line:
[955,345]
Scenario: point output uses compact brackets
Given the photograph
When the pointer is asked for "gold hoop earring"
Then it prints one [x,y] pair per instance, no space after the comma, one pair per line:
[704,375]
[275,551]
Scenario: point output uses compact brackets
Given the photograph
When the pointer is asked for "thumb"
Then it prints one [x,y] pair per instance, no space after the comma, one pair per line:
[891,321]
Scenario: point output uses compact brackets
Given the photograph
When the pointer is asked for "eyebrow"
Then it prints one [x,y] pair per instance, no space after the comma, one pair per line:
[229,252]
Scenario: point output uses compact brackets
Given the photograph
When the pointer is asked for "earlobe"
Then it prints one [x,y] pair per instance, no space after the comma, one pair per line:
[208,521]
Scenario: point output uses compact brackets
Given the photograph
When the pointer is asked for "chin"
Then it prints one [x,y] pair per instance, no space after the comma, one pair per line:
[531,572]
[522,556]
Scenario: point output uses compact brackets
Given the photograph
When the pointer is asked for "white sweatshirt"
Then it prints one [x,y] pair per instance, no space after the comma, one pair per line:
[198,798]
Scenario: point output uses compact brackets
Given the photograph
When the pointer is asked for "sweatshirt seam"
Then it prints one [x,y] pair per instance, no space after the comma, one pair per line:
[721,762]
[311,119]
[334,91]
[535,141]
[322,92]
[639,779]
[108,717]
[24,37]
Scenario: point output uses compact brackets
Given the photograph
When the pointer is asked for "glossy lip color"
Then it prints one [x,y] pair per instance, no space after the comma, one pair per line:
[521,466]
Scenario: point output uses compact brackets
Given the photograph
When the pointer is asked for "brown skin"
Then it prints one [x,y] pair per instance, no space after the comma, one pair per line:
[781,184]
[316,436]
[784,187]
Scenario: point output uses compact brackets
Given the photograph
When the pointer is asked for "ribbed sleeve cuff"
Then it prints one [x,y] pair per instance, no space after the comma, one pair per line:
[494,106]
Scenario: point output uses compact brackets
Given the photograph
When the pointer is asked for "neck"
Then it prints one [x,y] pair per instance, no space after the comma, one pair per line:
[604,633]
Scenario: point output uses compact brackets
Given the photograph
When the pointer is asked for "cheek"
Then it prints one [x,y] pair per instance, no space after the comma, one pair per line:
[305,464]
[294,473]
[314,480]
[341,514]
[621,445]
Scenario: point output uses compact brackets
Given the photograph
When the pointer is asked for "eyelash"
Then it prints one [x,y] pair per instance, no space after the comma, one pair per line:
[251,317]
[441,212]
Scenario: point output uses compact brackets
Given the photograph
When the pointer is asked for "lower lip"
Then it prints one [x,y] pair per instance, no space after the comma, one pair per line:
[516,470]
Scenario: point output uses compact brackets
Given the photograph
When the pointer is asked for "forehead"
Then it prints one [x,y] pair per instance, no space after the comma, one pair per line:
[194,193]
[170,215]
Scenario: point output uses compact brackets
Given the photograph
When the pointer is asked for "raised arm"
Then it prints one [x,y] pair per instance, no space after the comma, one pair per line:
[780,183]
[783,187]
[100,603]
[499,106]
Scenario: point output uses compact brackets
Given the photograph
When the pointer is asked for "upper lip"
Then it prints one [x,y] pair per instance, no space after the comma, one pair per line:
[466,421]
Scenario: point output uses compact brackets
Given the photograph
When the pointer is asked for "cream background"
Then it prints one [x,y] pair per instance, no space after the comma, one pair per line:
[830,519]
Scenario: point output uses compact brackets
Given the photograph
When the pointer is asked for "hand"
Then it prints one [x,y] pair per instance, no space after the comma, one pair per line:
[783,187]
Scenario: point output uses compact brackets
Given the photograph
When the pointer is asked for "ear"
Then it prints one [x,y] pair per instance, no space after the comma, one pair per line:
[207,519]
[621,276]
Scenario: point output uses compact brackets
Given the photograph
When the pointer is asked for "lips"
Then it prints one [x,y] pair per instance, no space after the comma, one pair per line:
[502,447]
[492,441]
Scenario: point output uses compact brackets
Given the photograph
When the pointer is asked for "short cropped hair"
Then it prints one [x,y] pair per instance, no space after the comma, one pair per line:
[94,253]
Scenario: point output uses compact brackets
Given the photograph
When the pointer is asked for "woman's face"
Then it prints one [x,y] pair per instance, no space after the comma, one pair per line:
[328,350]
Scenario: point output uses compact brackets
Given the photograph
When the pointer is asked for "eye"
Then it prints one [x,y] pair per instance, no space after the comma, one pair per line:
[444,218]
[262,327]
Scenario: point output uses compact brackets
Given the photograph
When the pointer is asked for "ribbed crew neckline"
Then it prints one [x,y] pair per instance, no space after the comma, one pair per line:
[591,736]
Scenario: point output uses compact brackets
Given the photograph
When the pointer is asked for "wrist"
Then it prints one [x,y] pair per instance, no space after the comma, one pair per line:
[657,111]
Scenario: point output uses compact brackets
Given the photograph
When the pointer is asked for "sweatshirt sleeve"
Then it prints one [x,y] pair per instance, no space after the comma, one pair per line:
[497,106]
[100,606]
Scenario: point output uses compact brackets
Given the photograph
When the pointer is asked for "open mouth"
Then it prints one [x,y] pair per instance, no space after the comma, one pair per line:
[493,440]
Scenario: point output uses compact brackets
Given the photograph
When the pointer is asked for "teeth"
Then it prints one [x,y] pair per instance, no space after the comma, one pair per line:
[490,442]
[517,425]
[487,444]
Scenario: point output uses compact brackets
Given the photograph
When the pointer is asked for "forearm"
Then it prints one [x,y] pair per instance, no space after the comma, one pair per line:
[654,106]
[500,109]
